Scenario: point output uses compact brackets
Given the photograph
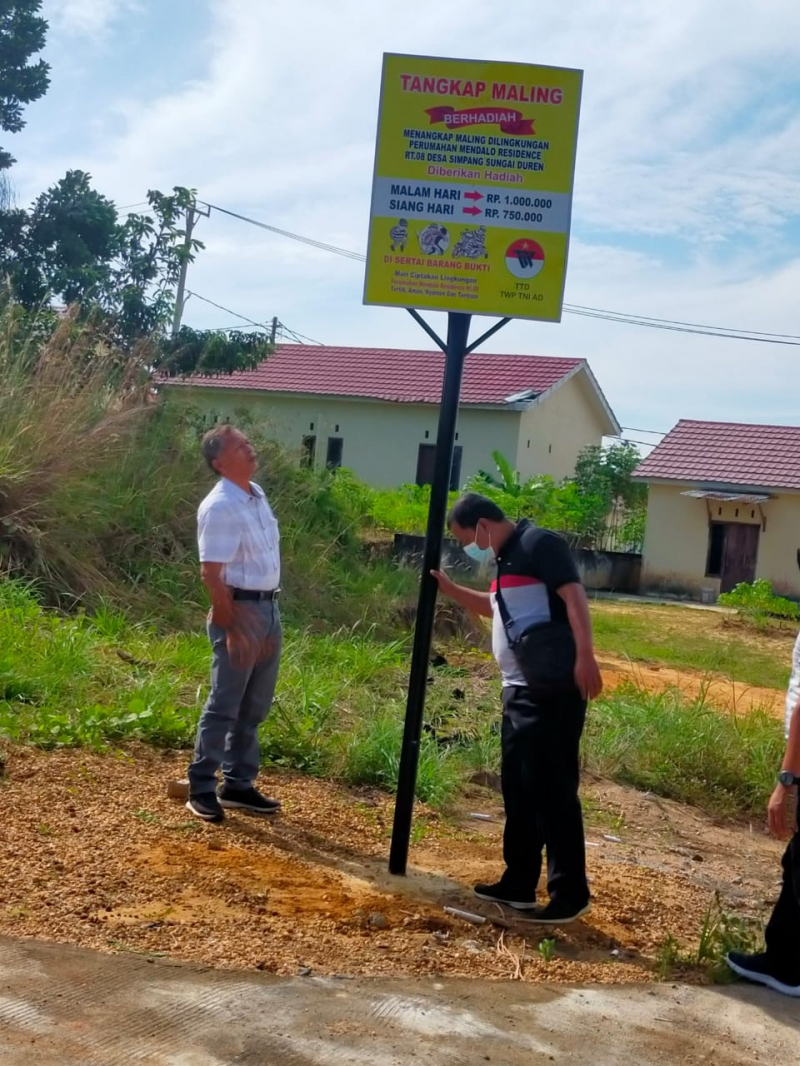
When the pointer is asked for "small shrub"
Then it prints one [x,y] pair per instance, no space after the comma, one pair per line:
[547,949]
[722,932]
[757,602]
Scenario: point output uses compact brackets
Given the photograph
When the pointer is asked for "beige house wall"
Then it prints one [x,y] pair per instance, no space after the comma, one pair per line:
[676,540]
[381,441]
[554,431]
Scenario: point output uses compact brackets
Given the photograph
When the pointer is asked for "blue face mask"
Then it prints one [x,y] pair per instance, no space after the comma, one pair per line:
[479,555]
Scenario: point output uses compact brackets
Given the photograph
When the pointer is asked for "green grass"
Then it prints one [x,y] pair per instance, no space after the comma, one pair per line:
[720,933]
[340,708]
[338,712]
[685,750]
[667,635]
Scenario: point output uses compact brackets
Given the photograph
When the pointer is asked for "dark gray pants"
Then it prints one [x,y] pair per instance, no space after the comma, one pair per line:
[239,701]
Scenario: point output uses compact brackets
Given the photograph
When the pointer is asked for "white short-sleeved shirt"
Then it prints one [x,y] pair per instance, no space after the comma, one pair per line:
[238,529]
[793,692]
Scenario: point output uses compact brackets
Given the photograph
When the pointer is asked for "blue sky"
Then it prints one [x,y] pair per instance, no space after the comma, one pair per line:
[687,197]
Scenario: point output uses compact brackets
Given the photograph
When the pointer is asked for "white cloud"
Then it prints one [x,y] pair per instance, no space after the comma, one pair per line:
[688,131]
[90,18]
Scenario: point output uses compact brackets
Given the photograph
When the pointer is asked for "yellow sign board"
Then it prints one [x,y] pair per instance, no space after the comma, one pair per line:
[472,191]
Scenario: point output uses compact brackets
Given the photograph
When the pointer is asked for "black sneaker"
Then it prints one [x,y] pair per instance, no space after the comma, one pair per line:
[759,969]
[206,806]
[507,894]
[556,913]
[247,799]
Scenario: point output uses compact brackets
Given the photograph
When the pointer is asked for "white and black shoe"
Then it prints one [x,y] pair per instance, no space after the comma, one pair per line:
[247,799]
[509,895]
[556,913]
[759,969]
[205,805]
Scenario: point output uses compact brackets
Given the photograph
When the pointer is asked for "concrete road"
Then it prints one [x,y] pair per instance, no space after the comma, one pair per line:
[71,1007]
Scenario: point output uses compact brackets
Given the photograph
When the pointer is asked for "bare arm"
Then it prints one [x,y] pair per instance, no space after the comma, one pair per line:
[778,809]
[587,672]
[221,599]
[471,600]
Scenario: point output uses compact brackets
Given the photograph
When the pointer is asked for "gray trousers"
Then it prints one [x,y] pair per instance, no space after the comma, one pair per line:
[239,701]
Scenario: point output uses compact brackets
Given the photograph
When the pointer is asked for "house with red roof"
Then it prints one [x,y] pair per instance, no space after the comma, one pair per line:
[375,410]
[724,507]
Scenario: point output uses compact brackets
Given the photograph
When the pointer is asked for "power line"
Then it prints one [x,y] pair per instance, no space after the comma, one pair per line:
[673,325]
[294,236]
[678,322]
[611,316]
[632,440]
[634,429]
[298,336]
[227,310]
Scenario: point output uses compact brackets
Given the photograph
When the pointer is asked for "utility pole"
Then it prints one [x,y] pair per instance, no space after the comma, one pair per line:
[274,332]
[192,215]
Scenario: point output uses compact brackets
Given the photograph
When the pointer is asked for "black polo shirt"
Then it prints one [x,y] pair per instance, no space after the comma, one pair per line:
[533,564]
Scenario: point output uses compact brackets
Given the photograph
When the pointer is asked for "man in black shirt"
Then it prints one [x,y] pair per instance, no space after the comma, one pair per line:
[539,592]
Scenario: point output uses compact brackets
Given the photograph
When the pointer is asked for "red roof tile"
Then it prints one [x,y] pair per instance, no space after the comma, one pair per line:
[395,375]
[727,453]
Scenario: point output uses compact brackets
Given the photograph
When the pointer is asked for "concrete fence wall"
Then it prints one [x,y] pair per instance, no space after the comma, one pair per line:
[600,571]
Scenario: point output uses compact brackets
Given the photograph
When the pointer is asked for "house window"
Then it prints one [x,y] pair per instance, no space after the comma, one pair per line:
[311,427]
[335,429]
[426,463]
[716,549]
[335,450]
[308,451]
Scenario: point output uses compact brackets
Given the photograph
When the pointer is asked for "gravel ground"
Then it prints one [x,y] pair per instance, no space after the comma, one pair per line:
[95,854]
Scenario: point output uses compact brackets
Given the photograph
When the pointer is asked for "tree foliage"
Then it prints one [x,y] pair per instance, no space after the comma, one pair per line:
[72,247]
[601,498]
[22,35]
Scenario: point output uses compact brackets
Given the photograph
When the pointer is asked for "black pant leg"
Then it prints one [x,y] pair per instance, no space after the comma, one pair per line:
[522,837]
[783,929]
[541,771]
[559,777]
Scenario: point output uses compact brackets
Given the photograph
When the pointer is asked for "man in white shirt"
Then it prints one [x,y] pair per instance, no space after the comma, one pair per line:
[238,542]
[779,966]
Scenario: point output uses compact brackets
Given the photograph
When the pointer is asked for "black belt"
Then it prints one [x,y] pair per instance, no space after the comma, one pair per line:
[255,594]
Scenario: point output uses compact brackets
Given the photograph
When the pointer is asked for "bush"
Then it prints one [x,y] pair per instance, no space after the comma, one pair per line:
[99,488]
[757,602]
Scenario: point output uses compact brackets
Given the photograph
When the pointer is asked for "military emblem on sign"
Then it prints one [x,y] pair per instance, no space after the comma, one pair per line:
[525,258]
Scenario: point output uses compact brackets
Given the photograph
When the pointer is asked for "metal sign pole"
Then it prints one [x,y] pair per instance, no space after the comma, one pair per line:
[456,350]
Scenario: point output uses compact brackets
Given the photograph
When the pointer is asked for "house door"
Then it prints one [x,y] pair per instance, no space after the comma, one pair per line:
[426,461]
[739,554]
[335,451]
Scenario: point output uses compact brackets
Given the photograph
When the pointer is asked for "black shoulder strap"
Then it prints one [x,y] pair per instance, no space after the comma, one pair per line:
[505,617]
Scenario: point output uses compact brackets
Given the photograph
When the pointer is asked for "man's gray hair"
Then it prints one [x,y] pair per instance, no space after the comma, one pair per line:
[213,443]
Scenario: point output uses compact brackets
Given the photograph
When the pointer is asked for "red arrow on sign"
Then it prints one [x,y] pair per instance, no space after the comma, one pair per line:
[472,210]
[473,195]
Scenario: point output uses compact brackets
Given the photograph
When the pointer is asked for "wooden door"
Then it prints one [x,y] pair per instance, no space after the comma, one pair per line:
[739,554]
